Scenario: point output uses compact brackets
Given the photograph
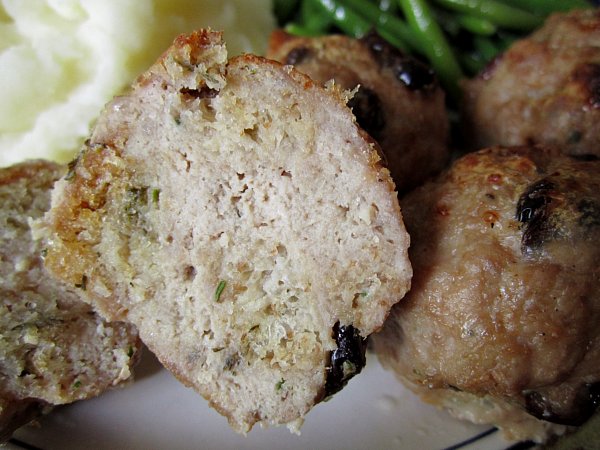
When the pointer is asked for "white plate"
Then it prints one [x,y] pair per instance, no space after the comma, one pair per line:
[373,411]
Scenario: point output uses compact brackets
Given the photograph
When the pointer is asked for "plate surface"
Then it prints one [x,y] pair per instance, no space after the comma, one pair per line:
[373,411]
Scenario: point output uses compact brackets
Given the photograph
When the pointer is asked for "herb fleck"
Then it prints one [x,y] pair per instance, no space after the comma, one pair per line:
[219,290]
[77,384]
[279,385]
[155,195]
[130,352]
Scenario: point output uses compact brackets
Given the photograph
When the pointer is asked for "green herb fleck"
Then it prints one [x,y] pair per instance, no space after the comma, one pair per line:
[77,384]
[130,352]
[364,294]
[155,195]
[279,385]
[44,252]
[219,290]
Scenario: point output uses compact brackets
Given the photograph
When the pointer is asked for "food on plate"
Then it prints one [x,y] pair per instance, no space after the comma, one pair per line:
[543,90]
[398,102]
[455,37]
[501,323]
[236,214]
[61,61]
[53,348]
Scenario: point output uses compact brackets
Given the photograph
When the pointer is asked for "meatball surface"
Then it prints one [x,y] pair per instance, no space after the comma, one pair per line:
[398,102]
[543,90]
[501,323]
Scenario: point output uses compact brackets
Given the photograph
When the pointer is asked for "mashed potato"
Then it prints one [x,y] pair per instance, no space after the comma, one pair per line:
[62,60]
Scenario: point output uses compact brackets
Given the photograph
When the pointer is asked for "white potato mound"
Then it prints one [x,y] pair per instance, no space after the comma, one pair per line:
[62,60]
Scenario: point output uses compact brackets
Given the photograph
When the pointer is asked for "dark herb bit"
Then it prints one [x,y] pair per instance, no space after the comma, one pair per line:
[130,351]
[590,213]
[347,360]
[231,362]
[77,384]
[219,290]
[83,284]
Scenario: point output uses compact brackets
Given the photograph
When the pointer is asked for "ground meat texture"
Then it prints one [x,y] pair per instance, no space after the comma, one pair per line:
[501,323]
[544,89]
[398,101]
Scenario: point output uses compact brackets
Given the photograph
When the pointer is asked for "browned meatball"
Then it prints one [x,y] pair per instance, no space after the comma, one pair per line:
[501,324]
[543,90]
[399,102]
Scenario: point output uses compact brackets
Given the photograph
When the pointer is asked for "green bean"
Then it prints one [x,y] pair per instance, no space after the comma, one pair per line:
[545,7]
[388,22]
[346,19]
[314,17]
[476,25]
[472,62]
[498,13]
[388,6]
[434,44]
[485,47]
[301,30]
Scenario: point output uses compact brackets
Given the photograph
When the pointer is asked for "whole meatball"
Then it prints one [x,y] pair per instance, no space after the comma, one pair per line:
[544,90]
[501,323]
[399,101]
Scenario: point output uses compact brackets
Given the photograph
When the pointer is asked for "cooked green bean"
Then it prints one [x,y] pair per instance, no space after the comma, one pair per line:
[545,7]
[434,44]
[346,19]
[315,17]
[476,25]
[498,13]
[391,24]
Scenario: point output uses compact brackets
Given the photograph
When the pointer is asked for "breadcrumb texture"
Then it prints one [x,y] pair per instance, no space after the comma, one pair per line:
[234,212]
[544,89]
[53,348]
[501,323]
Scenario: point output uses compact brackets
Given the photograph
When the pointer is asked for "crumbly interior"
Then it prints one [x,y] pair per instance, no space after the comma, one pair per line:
[240,214]
[53,348]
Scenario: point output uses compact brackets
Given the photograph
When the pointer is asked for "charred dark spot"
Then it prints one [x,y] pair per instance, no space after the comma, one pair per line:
[347,360]
[297,55]
[576,413]
[590,213]
[414,74]
[588,77]
[366,106]
[203,92]
[533,212]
